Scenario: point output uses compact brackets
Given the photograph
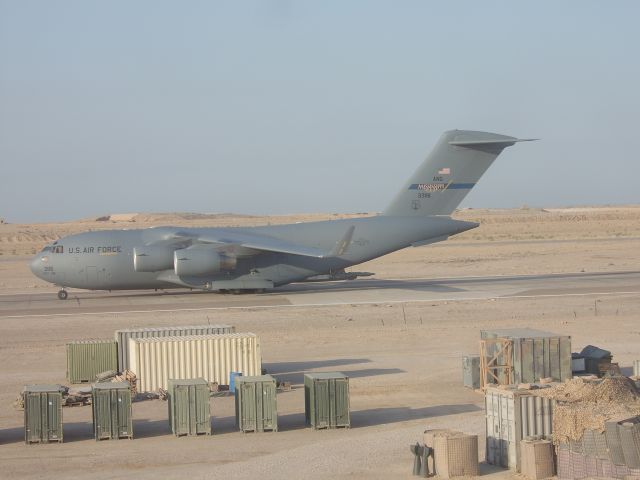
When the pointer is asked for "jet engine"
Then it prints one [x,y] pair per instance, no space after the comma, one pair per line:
[200,260]
[152,258]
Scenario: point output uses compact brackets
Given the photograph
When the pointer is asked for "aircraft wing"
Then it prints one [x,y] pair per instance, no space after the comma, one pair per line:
[254,242]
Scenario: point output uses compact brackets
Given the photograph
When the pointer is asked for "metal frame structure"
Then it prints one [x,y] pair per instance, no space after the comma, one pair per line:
[496,362]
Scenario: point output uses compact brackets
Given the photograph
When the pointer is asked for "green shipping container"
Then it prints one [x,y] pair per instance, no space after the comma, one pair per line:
[189,408]
[87,358]
[42,414]
[111,406]
[326,400]
[536,354]
[256,403]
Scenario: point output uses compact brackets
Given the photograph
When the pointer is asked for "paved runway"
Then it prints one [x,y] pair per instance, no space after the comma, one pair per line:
[365,291]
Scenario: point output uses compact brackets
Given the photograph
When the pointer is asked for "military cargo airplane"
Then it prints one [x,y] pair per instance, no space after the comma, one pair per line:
[262,258]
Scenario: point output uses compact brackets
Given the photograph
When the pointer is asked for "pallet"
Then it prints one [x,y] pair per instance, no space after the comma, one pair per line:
[127,437]
[36,442]
[330,427]
[203,434]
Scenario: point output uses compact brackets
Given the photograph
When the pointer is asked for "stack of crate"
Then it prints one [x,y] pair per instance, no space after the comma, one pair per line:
[512,361]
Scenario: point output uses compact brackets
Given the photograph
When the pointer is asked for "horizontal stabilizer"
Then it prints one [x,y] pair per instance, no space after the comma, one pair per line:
[503,143]
[491,146]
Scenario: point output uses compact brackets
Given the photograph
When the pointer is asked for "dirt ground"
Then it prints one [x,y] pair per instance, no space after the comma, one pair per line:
[404,360]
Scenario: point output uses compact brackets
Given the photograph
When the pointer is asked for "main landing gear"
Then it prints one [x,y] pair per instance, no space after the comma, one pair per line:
[62,294]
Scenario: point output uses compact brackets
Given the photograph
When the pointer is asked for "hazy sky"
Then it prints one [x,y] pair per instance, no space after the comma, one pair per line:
[294,106]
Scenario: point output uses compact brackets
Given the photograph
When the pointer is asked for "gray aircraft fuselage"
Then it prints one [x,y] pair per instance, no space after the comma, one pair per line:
[103,260]
[260,258]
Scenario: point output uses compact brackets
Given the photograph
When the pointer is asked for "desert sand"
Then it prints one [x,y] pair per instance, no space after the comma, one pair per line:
[404,360]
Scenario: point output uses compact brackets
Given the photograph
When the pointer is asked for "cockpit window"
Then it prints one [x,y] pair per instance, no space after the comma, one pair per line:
[58,249]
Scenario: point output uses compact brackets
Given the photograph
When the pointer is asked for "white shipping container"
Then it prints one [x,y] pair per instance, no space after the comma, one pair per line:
[212,357]
[513,415]
[122,336]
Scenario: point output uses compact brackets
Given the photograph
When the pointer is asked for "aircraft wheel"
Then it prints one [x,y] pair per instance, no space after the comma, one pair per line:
[62,295]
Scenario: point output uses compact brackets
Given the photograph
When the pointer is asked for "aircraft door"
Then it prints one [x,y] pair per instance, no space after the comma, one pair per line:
[96,277]
[92,275]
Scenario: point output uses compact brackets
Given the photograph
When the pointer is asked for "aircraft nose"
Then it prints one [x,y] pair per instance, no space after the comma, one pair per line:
[36,266]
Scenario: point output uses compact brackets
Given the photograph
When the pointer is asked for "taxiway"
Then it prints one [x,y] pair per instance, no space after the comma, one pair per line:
[366,291]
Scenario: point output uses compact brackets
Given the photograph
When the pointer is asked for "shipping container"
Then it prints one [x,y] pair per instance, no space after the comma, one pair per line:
[212,357]
[511,416]
[42,413]
[189,408]
[256,403]
[636,368]
[326,400]
[87,358]
[112,413]
[471,371]
[122,336]
[535,354]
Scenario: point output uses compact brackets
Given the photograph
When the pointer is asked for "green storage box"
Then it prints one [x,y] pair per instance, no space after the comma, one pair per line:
[326,400]
[189,408]
[87,358]
[42,413]
[111,407]
[256,403]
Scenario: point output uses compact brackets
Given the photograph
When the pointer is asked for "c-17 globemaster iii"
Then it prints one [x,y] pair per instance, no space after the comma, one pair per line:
[264,257]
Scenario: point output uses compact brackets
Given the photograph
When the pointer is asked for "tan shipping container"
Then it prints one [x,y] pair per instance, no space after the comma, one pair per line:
[212,357]
[122,336]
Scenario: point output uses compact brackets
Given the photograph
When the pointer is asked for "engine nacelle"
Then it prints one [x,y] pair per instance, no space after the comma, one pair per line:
[200,260]
[152,258]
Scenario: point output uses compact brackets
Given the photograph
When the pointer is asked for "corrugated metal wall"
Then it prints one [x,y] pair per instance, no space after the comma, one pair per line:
[123,336]
[87,358]
[511,416]
[212,357]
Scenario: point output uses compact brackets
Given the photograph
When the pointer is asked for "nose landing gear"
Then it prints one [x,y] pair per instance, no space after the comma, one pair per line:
[62,294]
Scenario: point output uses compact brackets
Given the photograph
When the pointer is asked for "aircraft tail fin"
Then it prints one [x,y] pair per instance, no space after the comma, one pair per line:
[449,172]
